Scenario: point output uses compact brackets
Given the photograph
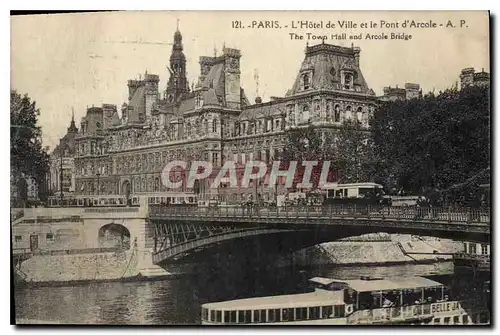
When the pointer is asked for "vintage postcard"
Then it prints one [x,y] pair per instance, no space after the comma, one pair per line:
[251,168]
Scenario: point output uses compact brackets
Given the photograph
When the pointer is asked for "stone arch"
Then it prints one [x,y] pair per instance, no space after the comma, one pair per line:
[114,235]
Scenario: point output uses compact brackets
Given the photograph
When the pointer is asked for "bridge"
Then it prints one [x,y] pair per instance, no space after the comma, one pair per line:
[184,232]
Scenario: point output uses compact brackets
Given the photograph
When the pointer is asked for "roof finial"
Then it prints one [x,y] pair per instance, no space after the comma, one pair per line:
[72,114]
[178,24]
[223,46]
[215,50]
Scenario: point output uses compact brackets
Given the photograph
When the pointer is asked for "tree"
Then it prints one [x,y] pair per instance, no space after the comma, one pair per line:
[348,148]
[27,155]
[354,153]
[431,144]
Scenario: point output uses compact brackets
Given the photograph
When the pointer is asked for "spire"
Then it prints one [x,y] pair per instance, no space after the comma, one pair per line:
[215,50]
[72,127]
[177,83]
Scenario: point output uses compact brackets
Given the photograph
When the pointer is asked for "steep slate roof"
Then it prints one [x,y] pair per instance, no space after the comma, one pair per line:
[138,102]
[215,79]
[326,62]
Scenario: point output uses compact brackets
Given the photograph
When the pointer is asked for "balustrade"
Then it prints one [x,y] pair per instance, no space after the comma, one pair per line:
[439,214]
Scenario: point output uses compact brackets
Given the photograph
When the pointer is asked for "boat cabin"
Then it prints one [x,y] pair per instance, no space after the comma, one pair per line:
[276,309]
[372,293]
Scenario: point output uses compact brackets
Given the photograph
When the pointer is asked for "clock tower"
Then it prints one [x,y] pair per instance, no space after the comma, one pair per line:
[177,83]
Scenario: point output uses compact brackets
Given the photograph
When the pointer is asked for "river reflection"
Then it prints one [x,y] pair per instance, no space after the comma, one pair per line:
[178,301]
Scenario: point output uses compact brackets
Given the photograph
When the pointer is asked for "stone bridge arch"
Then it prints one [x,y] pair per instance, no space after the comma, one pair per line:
[114,235]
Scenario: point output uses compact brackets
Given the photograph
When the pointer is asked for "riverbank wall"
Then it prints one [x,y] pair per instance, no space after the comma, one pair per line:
[94,267]
[395,249]
[136,264]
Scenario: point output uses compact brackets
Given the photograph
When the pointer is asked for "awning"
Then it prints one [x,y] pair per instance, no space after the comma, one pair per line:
[325,281]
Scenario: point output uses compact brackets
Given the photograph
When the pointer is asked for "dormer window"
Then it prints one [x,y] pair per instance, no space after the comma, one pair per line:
[198,101]
[348,81]
[305,81]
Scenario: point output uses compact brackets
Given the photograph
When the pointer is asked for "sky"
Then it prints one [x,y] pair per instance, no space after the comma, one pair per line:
[68,62]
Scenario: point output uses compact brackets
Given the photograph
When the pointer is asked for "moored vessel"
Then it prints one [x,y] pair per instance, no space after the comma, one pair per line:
[365,301]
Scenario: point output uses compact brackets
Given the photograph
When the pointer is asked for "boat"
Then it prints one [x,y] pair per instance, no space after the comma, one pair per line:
[364,301]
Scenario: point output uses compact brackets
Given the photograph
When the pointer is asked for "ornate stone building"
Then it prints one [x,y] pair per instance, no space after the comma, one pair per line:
[213,121]
[410,91]
[469,77]
[62,159]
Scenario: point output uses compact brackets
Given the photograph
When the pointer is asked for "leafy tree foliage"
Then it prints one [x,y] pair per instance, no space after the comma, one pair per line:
[27,155]
[349,150]
[437,145]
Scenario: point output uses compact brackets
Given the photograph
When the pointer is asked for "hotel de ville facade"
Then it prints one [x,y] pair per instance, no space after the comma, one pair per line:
[125,153]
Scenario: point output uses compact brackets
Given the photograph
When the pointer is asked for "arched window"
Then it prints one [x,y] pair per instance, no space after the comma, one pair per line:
[359,114]
[348,81]
[305,113]
[337,113]
[215,125]
[205,126]
[305,81]
[348,112]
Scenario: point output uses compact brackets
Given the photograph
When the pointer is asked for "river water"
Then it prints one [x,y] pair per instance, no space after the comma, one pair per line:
[177,301]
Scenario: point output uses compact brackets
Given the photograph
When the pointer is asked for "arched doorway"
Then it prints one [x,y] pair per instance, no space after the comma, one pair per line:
[114,236]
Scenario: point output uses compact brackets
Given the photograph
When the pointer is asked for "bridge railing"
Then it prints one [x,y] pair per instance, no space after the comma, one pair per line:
[455,215]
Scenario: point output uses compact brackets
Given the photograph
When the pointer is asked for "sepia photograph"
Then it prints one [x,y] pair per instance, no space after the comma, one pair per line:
[251,168]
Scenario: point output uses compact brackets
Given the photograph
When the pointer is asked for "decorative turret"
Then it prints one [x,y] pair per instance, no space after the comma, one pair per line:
[72,127]
[177,83]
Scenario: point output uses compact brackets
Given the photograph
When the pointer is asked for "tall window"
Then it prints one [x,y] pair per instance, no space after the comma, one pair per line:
[348,84]
[214,126]
[348,112]
[359,114]
[306,81]
[484,249]
[365,119]
[337,113]
[157,184]
[305,113]
[472,248]
[198,100]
